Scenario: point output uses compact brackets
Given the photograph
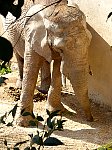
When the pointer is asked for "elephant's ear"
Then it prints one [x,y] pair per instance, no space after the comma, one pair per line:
[46,51]
[35,9]
[36,33]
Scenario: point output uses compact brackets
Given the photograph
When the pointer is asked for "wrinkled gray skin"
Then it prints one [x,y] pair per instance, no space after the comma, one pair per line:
[19,53]
[53,35]
[18,43]
[45,73]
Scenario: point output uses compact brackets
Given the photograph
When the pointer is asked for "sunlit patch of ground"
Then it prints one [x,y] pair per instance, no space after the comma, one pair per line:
[78,134]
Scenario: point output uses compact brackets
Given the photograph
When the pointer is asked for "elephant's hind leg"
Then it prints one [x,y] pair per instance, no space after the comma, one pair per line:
[45,78]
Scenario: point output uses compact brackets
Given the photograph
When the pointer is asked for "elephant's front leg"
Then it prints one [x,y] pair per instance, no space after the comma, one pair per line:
[54,94]
[32,64]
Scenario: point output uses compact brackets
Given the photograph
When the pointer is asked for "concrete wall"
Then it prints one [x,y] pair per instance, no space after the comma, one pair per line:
[100,52]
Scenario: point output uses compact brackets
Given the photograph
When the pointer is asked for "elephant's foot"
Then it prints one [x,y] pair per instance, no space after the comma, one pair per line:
[19,83]
[88,114]
[24,121]
[53,108]
[87,110]
[89,117]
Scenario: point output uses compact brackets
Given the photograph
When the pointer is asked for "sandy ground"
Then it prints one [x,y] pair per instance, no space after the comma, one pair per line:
[78,134]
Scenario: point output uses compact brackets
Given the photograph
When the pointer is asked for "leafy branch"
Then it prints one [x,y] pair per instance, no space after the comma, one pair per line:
[53,123]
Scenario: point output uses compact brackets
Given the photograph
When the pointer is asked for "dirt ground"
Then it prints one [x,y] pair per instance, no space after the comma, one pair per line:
[78,134]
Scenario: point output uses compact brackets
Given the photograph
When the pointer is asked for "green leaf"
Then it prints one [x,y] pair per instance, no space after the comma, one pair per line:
[4,70]
[22,111]
[5,142]
[37,140]
[10,124]
[60,124]
[26,114]
[31,135]
[39,118]
[52,114]
[14,110]
[33,116]
[49,123]
[32,123]
[107,146]
[54,120]
[40,141]
[109,15]
[2,118]
[16,148]
[3,122]
[33,148]
[51,141]
[27,148]
[55,113]
[20,143]
[46,134]
[48,112]
[2,79]
[102,148]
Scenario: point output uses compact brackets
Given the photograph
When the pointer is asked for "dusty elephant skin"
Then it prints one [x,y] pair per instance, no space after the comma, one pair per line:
[15,33]
[57,33]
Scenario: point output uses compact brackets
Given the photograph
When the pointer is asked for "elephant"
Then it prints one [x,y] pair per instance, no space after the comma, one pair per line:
[18,46]
[53,33]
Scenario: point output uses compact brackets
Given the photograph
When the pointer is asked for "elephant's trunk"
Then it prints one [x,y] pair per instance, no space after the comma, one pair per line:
[79,80]
[76,68]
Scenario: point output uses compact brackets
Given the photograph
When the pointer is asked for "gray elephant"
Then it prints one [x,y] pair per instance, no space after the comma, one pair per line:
[55,33]
[14,35]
